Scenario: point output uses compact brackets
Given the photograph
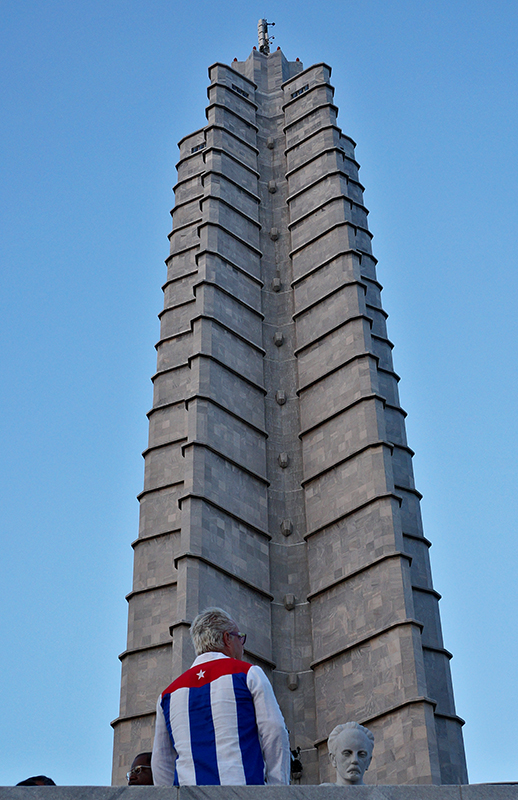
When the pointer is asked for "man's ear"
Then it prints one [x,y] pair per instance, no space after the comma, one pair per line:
[226,643]
[368,763]
[332,759]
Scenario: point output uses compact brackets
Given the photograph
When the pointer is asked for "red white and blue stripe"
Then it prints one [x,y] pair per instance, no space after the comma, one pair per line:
[225,730]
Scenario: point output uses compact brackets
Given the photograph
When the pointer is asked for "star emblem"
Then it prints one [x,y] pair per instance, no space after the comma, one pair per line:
[201,674]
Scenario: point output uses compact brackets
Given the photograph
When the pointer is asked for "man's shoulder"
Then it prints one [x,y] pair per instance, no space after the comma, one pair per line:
[208,671]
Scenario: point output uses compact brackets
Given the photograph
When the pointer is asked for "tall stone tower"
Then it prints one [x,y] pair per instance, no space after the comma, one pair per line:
[278,479]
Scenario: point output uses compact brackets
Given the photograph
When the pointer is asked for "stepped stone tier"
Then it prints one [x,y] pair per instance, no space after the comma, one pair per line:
[278,480]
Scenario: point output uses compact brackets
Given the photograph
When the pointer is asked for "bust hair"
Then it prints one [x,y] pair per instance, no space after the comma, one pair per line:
[208,628]
[347,726]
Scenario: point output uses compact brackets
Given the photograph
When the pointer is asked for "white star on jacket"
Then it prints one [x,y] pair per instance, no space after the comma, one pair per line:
[271,729]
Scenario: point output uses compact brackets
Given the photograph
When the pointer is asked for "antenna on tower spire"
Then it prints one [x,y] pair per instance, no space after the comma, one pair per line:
[262,35]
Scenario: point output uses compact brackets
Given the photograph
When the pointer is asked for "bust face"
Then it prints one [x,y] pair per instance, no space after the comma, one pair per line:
[351,757]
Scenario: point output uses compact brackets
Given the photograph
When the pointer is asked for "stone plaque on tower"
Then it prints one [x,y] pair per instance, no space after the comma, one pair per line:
[278,480]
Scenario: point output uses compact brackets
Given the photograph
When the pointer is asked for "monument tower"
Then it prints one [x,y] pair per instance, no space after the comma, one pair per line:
[278,480]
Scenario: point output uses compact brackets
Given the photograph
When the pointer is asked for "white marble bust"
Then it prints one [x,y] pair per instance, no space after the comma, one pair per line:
[350,749]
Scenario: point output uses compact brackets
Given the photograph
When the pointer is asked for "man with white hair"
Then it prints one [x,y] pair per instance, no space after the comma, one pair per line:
[219,723]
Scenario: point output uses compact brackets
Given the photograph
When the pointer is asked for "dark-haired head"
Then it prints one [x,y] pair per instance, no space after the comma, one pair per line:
[37,780]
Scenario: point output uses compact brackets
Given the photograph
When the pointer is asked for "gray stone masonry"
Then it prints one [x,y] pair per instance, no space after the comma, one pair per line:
[278,479]
[481,791]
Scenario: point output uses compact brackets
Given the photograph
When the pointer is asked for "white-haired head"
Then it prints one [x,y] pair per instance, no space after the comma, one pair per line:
[208,629]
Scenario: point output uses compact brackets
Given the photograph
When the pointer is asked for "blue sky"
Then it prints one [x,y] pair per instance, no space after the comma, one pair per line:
[95,96]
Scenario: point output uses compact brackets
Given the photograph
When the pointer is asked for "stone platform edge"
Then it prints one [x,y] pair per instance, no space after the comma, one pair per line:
[479,791]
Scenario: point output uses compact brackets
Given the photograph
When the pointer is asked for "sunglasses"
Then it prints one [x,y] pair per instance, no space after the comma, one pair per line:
[240,636]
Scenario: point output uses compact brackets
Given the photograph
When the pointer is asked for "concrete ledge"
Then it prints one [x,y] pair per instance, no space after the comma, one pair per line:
[480,791]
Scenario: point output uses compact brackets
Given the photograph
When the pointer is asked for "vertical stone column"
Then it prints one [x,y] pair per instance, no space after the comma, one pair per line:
[223,558]
[376,629]
[291,622]
[204,522]
[146,664]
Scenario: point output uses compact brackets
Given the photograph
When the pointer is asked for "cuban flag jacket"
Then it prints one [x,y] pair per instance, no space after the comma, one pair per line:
[219,724]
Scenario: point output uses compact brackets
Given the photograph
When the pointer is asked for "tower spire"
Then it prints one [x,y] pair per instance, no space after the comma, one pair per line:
[262,35]
[278,480]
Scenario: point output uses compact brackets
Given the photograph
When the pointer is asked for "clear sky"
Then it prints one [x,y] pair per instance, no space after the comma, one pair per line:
[94,97]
